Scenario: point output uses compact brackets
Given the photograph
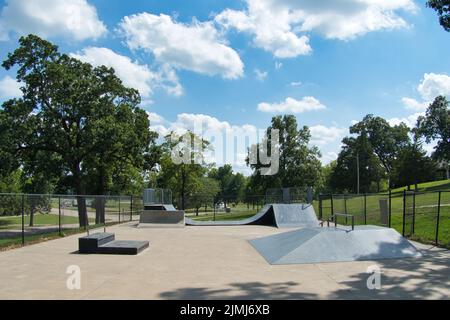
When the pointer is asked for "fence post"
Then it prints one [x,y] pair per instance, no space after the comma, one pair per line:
[119,210]
[404,212]
[320,207]
[131,208]
[390,208]
[413,227]
[332,205]
[59,216]
[23,219]
[438,218]
[365,209]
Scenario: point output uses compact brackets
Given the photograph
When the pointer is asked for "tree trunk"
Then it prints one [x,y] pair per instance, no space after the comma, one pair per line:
[32,210]
[81,200]
[100,201]
[100,209]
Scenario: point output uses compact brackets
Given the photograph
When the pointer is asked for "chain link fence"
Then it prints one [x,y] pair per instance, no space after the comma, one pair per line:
[421,216]
[30,218]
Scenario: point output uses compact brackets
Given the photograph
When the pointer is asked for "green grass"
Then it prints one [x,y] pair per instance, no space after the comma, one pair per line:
[425,214]
[11,243]
[428,186]
[9,222]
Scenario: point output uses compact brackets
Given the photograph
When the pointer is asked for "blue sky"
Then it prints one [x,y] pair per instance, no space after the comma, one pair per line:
[240,62]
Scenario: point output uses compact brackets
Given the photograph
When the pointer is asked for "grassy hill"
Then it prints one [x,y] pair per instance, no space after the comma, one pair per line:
[428,186]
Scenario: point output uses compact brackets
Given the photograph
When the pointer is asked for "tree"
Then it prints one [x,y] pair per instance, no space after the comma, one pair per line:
[344,175]
[184,178]
[413,167]
[206,193]
[83,115]
[442,7]
[224,176]
[299,164]
[435,126]
[385,140]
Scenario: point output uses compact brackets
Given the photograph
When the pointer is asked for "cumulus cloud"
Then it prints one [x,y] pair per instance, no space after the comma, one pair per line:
[271,31]
[278,26]
[197,46]
[9,88]
[410,120]
[322,135]
[133,74]
[230,142]
[291,105]
[74,19]
[260,75]
[431,86]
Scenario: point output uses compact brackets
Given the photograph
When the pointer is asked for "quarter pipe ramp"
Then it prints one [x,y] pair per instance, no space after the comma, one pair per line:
[275,215]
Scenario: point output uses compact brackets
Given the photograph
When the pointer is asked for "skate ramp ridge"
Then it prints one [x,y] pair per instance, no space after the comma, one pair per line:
[321,245]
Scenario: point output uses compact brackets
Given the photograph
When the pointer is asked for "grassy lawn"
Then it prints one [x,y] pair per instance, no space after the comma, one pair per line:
[39,220]
[425,214]
[11,243]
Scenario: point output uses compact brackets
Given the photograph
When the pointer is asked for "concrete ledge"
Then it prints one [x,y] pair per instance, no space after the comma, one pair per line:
[89,244]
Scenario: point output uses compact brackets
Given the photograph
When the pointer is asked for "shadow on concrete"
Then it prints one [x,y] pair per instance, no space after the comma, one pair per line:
[241,291]
[426,277]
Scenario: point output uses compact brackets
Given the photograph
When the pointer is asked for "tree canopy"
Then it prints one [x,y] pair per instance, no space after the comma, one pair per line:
[442,7]
[82,119]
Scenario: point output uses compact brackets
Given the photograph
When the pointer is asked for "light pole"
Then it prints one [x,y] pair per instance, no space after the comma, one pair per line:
[357,172]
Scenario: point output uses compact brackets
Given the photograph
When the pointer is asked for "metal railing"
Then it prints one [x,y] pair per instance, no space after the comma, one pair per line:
[421,216]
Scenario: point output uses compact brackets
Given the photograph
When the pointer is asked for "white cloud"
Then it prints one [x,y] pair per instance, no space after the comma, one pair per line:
[195,47]
[277,25]
[278,65]
[9,88]
[410,121]
[133,74]
[431,86]
[295,83]
[328,157]
[227,150]
[292,105]
[74,19]
[322,135]
[414,105]
[155,118]
[271,30]
[260,75]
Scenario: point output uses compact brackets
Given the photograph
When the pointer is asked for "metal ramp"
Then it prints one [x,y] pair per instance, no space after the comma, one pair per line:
[275,215]
[320,245]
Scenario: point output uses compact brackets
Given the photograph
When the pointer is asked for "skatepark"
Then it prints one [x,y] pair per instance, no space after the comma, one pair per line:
[283,252]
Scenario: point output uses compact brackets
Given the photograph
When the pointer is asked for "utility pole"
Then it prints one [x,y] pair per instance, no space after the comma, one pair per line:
[357,171]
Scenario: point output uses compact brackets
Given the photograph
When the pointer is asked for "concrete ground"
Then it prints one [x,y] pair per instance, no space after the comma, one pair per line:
[210,263]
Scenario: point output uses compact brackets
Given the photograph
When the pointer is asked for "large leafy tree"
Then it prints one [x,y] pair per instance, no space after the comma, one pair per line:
[385,140]
[442,7]
[81,115]
[299,164]
[413,166]
[356,154]
[435,126]
[184,177]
